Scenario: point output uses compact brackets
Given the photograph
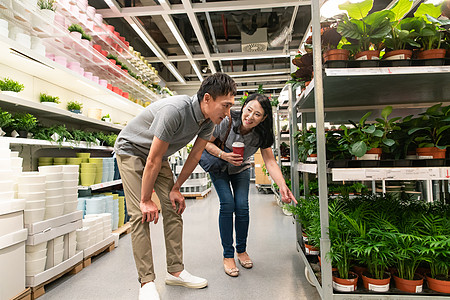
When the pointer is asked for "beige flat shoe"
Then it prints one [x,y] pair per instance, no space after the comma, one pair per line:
[248,264]
[233,272]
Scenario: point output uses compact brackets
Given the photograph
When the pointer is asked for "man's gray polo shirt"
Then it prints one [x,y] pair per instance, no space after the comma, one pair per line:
[175,120]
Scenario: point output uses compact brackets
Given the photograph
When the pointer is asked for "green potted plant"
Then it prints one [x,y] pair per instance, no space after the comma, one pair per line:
[76,31]
[429,131]
[431,34]
[306,143]
[49,100]
[10,87]
[74,106]
[24,123]
[47,12]
[5,120]
[106,118]
[331,46]
[364,32]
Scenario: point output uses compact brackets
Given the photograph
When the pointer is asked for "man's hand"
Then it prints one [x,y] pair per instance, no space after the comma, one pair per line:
[232,158]
[149,211]
[286,195]
[177,198]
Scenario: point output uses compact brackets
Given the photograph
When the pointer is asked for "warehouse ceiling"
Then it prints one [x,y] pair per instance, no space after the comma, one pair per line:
[187,40]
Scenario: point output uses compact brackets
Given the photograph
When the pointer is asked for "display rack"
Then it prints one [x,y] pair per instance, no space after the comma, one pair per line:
[411,88]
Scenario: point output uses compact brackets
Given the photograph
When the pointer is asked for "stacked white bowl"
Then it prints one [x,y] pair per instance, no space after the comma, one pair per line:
[106,224]
[95,205]
[82,238]
[108,169]
[16,167]
[35,259]
[91,223]
[54,192]
[97,224]
[72,242]
[70,177]
[31,187]
[58,246]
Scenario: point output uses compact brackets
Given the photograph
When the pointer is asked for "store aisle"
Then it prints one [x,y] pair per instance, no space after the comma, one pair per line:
[278,272]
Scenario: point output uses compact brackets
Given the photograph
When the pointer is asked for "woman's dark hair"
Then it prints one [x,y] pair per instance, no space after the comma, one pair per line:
[264,130]
[218,84]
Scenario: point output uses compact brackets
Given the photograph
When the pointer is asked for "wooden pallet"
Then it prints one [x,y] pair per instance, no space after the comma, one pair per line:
[197,196]
[108,248]
[25,295]
[39,290]
[125,229]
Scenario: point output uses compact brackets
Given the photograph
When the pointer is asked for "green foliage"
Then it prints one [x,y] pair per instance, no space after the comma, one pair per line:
[46,4]
[86,36]
[5,118]
[47,98]
[111,56]
[431,128]
[106,117]
[74,105]
[25,122]
[7,84]
[76,28]
[365,31]
[306,143]
[260,89]
[403,34]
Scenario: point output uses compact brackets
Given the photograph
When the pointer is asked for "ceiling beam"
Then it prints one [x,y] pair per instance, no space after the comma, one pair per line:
[270,72]
[226,56]
[199,33]
[220,6]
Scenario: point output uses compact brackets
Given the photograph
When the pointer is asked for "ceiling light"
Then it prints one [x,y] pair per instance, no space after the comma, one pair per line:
[249,74]
[178,37]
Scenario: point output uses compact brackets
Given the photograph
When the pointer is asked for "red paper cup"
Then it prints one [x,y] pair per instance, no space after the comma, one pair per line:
[238,148]
[98,48]
[104,53]
[126,95]
[109,86]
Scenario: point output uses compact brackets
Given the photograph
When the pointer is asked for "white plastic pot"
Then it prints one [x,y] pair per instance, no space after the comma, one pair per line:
[53,211]
[35,204]
[49,185]
[36,255]
[34,267]
[32,196]
[35,248]
[33,215]
[55,200]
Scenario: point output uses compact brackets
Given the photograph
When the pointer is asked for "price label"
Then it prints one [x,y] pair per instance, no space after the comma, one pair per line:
[378,288]
[343,288]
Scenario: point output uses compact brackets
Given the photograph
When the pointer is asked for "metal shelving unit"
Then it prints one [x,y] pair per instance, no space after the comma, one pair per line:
[337,95]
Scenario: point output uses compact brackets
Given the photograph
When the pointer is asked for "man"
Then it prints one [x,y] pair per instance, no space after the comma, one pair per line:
[142,149]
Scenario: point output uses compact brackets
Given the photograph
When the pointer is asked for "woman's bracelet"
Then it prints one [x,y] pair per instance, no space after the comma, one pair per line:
[220,154]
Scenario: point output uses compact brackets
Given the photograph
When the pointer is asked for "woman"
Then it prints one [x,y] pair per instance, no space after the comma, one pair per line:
[253,127]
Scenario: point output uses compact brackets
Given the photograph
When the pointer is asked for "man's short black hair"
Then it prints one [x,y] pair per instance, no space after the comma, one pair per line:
[218,84]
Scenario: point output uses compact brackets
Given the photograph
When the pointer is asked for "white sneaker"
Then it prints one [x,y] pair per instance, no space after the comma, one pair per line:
[187,280]
[148,292]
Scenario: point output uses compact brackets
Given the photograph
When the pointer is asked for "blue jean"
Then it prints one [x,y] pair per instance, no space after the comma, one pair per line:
[233,200]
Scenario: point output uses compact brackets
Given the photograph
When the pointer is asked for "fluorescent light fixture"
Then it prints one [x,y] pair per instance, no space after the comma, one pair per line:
[109,3]
[162,1]
[330,8]
[146,40]
[197,71]
[239,56]
[249,74]
[178,37]
[175,73]
[88,85]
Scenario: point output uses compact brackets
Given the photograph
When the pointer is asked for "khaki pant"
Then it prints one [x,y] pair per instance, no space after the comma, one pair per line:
[131,169]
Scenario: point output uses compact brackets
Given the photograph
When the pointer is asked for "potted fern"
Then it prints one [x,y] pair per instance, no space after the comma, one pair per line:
[5,119]
[49,100]
[24,123]
[10,87]
[74,106]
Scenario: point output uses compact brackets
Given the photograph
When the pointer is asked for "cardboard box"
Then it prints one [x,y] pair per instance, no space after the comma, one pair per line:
[260,177]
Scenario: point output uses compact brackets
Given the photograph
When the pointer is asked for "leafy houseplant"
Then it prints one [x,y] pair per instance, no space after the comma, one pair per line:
[46,4]
[74,106]
[364,31]
[106,118]
[24,123]
[9,85]
[49,100]
[306,143]
[86,36]
[76,28]
[430,130]
[5,119]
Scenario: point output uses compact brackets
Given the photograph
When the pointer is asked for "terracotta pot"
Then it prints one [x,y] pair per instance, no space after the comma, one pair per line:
[368,55]
[434,152]
[307,83]
[345,285]
[336,54]
[311,250]
[376,285]
[320,264]
[370,156]
[442,286]
[410,286]
[398,54]
[432,53]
